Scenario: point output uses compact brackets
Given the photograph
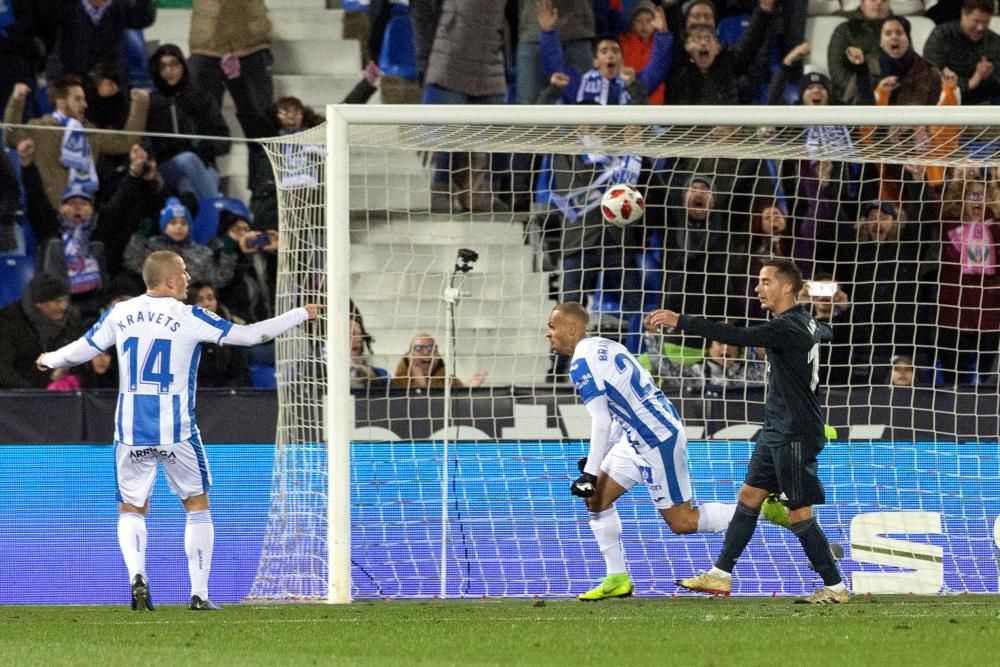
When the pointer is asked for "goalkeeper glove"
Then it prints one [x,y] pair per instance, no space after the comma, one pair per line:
[581,465]
[585,486]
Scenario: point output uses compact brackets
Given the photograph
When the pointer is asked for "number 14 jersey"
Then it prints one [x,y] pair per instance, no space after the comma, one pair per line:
[158,344]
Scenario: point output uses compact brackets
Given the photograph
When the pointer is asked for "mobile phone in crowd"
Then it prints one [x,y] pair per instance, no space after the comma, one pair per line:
[822,288]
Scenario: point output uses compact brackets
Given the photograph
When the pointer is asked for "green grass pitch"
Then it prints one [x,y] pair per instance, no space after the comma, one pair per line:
[880,631]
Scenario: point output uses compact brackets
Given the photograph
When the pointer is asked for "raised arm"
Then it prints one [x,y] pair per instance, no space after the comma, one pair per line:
[78,352]
[656,70]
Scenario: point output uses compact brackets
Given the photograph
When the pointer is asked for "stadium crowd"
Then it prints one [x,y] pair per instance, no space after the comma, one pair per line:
[908,254]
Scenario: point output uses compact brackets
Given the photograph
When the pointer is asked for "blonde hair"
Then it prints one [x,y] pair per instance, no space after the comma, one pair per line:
[158,267]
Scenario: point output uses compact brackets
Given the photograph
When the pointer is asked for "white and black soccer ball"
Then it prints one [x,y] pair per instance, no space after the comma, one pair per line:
[622,205]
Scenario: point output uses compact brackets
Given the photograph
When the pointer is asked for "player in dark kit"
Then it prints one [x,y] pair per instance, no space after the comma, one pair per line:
[784,459]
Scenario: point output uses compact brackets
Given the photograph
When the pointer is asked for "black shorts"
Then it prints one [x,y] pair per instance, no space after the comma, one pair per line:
[789,469]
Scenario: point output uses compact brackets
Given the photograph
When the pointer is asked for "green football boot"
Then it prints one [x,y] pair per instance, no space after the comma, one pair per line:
[611,586]
[774,511]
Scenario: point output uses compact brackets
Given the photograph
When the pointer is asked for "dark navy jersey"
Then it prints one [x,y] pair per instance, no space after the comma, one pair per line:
[791,410]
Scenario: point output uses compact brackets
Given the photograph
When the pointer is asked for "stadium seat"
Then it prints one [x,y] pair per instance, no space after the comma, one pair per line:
[398,57]
[920,29]
[354,5]
[819,30]
[823,7]
[263,377]
[136,60]
[205,225]
[995,24]
[731,28]
[15,273]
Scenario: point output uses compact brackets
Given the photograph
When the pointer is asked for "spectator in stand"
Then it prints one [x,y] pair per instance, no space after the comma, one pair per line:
[968,332]
[221,365]
[74,255]
[708,74]
[67,158]
[26,32]
[204,262]
[902,76]
[176,106]
[467,65]
[286,116]
[831,305]
[607,80]
[884,270]
[725,368]
[122,215]
[970,50]
[858,37]
[364,374]
[220,28]
[107,109]
[639,42]
[249,295]
[575,27]
[815,88]
[901,371]
[423,368]
[92,33]
[702,256]
[771,236]
[41,321]
[749,58]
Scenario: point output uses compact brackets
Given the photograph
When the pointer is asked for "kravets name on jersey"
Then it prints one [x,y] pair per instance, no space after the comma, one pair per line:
[158,344]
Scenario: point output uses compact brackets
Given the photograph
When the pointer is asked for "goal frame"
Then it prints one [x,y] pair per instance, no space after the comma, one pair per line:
[340,117]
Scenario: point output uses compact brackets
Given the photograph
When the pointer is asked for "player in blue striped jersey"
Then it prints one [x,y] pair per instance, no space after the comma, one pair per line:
[636,436]
[158,340]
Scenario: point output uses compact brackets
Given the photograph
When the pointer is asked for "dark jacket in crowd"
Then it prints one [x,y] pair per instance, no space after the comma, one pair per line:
[949,47]
[856,31]
[182,109]
[81,44]
[22,344]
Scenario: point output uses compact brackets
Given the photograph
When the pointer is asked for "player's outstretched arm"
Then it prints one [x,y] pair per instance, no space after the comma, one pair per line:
[78,352]
[770,334]
[265,330]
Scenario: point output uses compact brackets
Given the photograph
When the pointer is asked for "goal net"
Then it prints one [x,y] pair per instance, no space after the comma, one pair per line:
[454,230]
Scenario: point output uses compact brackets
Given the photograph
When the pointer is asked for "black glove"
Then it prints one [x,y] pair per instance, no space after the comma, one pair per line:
[585,486]
[582,464]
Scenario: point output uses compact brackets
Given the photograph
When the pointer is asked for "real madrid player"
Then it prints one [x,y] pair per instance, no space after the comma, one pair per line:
[636,436]
[784,459]
[158,339]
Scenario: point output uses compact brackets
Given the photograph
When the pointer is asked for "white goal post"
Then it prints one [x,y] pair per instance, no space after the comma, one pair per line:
[655,132]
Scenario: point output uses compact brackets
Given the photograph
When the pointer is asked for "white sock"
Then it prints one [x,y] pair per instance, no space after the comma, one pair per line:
[721,573]
[839,586]
[714,517]
[132,541]
[199,538]
[607,529]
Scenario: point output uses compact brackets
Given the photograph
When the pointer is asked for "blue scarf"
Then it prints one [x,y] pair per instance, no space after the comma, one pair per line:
[75,154]
[577,203]
[300,164]
[596,89]
[82,268]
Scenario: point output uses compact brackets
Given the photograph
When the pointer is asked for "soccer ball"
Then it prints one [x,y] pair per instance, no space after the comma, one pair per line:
[622,205]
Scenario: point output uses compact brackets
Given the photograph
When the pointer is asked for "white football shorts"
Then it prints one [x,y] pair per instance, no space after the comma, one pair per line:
[184,463]
[662,469]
